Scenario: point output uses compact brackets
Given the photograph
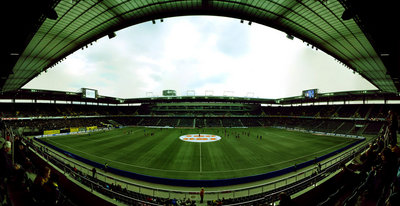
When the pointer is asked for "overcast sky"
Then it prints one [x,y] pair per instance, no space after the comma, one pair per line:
[214,55]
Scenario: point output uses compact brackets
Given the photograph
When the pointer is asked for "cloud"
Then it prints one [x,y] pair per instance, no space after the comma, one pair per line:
[324,73]
[233,39]
[203,54]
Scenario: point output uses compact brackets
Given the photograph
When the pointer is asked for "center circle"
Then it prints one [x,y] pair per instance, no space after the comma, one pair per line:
[200,138]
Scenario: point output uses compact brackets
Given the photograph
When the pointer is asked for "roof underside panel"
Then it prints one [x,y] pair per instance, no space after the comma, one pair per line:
[316,22]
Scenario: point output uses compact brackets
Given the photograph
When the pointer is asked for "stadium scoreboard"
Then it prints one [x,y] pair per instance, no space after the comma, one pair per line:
[310,94]
[169,93]
[89,93]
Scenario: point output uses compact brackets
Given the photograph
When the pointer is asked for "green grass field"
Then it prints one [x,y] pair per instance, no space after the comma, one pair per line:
[165,155]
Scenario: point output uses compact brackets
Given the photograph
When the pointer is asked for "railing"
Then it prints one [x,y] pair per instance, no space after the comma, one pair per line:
[263,188]
[90,182]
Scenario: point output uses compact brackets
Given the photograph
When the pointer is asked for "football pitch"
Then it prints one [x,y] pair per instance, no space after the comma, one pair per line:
[162,153]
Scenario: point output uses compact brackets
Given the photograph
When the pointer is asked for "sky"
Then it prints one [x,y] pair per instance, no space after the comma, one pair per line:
[200,55]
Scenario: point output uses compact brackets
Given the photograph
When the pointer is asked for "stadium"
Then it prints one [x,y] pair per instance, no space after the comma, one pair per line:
[336,148]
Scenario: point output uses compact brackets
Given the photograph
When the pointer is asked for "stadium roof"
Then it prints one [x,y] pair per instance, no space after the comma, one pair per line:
[42,33]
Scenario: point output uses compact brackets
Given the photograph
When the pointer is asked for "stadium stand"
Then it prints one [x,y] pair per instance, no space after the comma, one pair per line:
[371,178]
[171,122]
[35,119]
[345,127]
[200,122]
[347,119]
[373,127]
[186,122]
[231,122]
[250,122]
[29,122]
[213,122]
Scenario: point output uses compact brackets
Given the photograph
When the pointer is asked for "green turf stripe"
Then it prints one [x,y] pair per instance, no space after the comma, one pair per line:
[164,155]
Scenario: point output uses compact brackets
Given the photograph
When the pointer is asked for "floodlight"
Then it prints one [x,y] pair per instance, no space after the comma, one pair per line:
[111,35]
[51,14]
[289,36]
[347,14]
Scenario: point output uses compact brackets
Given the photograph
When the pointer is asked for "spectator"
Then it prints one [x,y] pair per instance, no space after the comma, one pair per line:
[40,187]
[54,193]
[2,140]
[174,202]
[392,126]
[5,162]
[394,199]
[371,156]
[388,166]
[284,199]
[385,174]
[396,150]
[380,144]
[201,195]
[93,172]
[22,158]
[43,177]
[6,165]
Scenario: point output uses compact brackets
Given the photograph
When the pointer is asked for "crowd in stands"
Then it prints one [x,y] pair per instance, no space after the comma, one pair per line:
[376,172]
[328,111]
[47,110]
[33,184]
[351,127]
[319,111]
[60,123]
